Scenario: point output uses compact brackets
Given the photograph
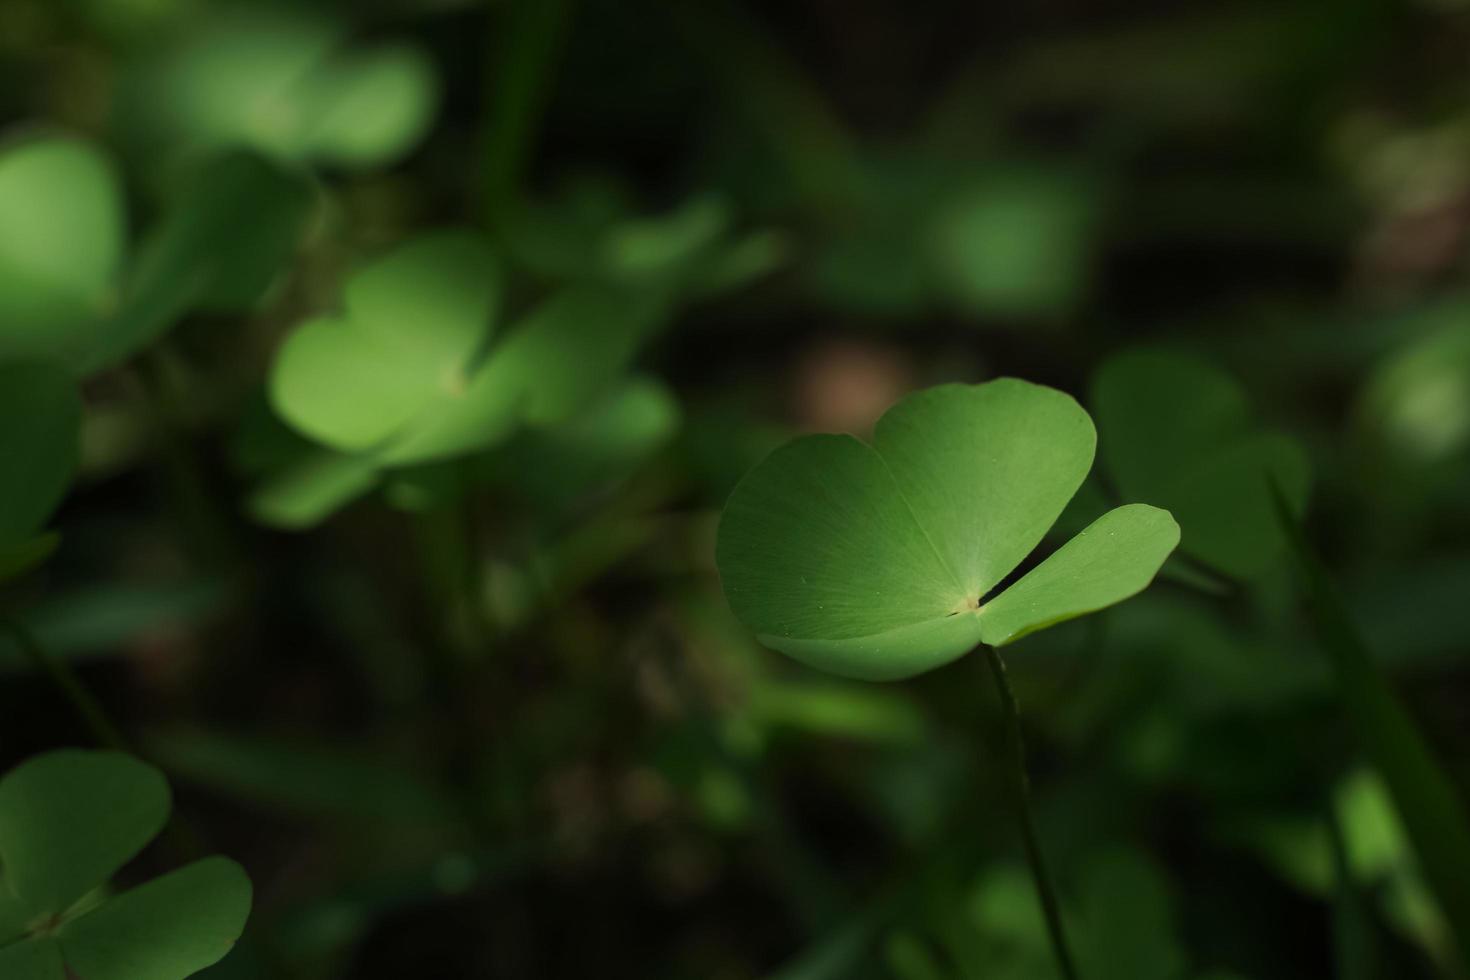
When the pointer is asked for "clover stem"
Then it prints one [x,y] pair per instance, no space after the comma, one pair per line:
[1021,786]
[518,87]
[205,525]
[86,706]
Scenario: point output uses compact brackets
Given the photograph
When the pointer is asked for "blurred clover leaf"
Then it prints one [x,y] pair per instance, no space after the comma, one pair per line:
[40,425]
[1124,910]
[550,468]
[69,820]
[284,84]
[1179,433]
[61,246]
[591,232]
[878,561]
[1013,240]
[410,373]
[67,291]
[411,327]
[1416,405]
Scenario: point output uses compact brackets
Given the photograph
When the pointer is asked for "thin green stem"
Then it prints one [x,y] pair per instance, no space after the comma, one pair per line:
[59,671]
[204,522]
[1428,800]
[518,87]
[1021,785]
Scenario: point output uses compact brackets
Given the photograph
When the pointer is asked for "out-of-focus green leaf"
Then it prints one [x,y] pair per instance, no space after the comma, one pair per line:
[310,491]
[1177,432]
[1417,404]
[603,442]
[369,109]
[70,819]
[104,619]
[17,559]
[1353,939]
[558,358]
[301,778]
[40,427]
[281,82]
[1122,915]
[1015,242]
[591,233]
[1428,804]
[412,323]
[219,246]
[840,710]
[1127,928]
[909,959]
[61,247]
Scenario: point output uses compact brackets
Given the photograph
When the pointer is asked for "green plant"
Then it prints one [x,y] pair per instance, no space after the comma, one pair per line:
[883,561]
[40,422]
[879,561]
[1180,433]
[71,294]
[285,82]
[69,821]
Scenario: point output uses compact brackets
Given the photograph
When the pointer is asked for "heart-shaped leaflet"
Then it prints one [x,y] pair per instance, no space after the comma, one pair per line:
[69,820]
[872,561]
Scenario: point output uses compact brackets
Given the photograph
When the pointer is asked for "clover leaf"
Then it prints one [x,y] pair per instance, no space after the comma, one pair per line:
[406,374]
[284,83]
[1179,433]
[592,232]
[61,246]
[877,561]
[40,424]
[411,325]
[68,292]
[69,820]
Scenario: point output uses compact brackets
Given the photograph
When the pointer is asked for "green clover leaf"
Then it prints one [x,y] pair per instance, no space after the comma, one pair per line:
[69,820]
[411,326]
[61,247]
[876,561]
[1179,433]
[405,374]
[286,84]
[68,293]
[40,428]
[592,232]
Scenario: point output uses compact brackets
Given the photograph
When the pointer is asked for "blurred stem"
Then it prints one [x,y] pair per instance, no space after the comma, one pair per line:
[1354,950]
[448,544]
[59,671]
[205,526]
[1427,800]
[518,88]
[1021,787]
